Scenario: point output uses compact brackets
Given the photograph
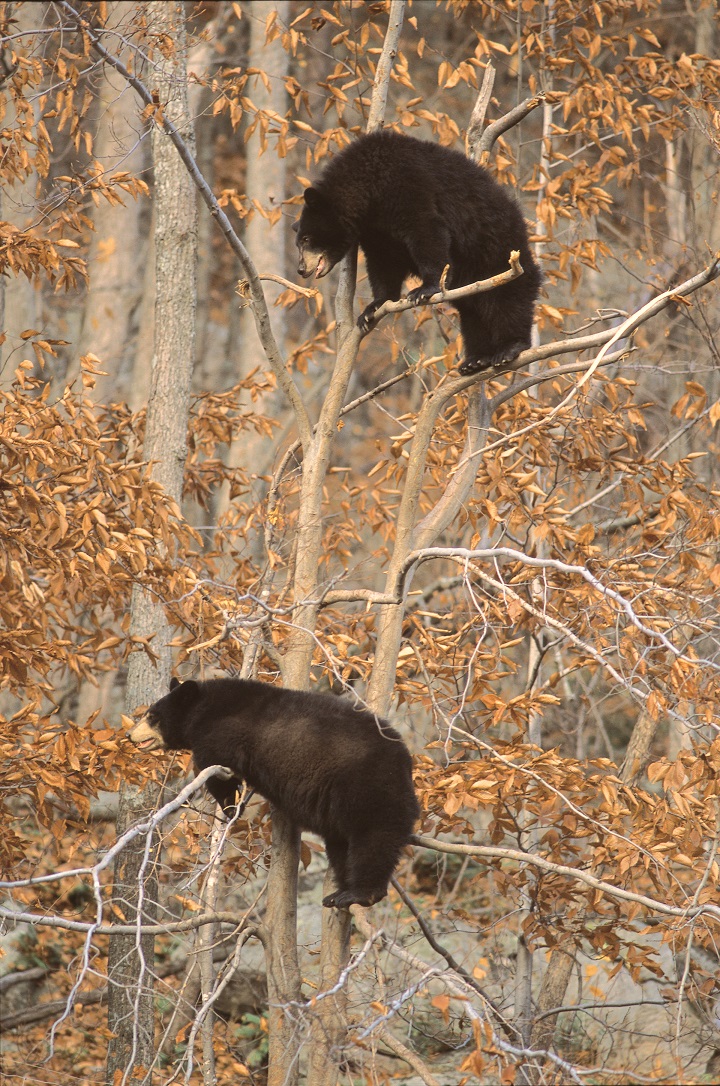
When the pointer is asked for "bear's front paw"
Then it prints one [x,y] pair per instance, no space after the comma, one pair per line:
[341,899]
[422,293]
[473,365]
[366,320]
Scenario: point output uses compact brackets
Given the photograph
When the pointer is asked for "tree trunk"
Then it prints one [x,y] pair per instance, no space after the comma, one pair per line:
[118,245]
[329,1025]
[21,299]
[552,993]
[266,185]
[130,1007]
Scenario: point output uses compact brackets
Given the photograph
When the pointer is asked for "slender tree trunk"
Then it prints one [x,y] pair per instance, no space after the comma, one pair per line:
[552,993]
[118,245]
[266,186]
[22,299]
[329,1025]
[281,962]
[130,1007]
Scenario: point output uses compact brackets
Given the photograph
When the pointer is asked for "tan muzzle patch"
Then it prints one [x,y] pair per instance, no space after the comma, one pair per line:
[146,736]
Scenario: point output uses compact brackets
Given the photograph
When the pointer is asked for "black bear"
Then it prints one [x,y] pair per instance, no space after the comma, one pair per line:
[336,770]
[415,207]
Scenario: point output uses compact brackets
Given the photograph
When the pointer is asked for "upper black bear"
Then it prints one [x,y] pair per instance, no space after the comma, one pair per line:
[414,207]
[334,769]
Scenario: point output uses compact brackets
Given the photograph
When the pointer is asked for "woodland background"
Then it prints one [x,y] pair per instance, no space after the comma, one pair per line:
[204,471]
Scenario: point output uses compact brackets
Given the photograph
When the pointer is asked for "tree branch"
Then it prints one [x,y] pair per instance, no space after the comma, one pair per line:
[502,124]
[491,852]
[473,137]
[406,1054]
[460,990]
[508,1029]
[481,286]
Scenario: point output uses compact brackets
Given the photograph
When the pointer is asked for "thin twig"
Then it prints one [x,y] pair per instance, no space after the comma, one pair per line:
[509,1030]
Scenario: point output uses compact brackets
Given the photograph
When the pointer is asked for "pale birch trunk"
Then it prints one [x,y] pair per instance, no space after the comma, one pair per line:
[131,1018]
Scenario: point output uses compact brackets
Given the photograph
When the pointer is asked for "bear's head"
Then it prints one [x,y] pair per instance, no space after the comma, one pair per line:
[322,240]
[166,725]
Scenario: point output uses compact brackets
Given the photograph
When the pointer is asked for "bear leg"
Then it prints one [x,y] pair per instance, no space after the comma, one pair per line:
[336,850]
[426,241]
[371,860]
[494,331]
[224,792]
[386,270]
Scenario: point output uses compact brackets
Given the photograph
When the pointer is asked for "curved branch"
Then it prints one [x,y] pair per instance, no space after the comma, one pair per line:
[492,852]
[502,124]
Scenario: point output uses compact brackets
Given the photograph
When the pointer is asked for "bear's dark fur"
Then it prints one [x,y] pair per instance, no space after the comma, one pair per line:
[332,768]
[414,207]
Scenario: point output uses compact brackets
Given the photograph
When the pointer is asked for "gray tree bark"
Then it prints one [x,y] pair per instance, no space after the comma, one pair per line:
[130,1006]
[118,246]
[21,299]
[266,183]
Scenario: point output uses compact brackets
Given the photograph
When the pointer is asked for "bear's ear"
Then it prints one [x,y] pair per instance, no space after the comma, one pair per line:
[313,198]
[296,226]
[187,692]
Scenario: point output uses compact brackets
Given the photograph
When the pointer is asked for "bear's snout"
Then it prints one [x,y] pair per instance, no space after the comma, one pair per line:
[146,735]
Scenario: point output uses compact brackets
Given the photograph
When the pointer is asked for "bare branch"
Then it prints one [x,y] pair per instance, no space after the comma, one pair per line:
[460,990]
[509,1030]
[169,928]
[144,827]
[406,1054]
[480,287]
[502,124]
[492,852]
[464,554]
[473,137]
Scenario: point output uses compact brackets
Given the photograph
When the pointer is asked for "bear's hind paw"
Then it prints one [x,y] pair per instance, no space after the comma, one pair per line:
[501,357]
[343,899]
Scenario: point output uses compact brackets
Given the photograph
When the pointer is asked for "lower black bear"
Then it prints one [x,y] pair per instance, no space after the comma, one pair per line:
[336,770]
[415,207]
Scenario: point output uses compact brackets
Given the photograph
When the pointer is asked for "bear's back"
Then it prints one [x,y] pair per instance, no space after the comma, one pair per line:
[384,179]
[316,756]
[261,707]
